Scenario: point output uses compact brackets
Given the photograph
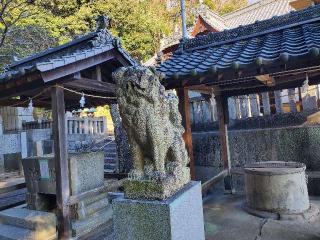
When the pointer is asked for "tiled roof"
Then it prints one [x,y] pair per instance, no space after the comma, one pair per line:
[81,48]
[213,19]
[295,34]
[261,10]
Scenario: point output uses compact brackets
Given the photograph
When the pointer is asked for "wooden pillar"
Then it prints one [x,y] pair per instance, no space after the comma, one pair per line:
[61,162]
[184,109]
[223,115]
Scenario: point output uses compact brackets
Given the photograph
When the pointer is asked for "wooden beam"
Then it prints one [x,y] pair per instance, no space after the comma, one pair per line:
[223,115]
[61,162]
[187,135]
[201,89]
[93,85]
[28,87]
[77,66]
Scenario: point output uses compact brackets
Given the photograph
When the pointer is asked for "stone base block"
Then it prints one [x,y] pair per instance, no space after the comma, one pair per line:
[159,189]
[179,217]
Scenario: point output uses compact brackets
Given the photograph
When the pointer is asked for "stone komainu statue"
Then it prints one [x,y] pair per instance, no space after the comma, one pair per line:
[152,121]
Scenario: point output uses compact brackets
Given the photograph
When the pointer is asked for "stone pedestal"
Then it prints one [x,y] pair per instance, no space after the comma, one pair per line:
[179,217]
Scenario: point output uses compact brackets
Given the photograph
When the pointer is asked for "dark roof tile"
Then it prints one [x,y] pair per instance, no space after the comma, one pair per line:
[295,34]
[81,48]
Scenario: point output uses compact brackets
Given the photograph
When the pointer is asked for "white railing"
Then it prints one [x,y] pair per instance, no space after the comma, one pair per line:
[87,125]
[75,125]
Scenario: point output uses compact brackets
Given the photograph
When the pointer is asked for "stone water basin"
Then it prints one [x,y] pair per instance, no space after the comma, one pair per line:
[279,188]
[86,172]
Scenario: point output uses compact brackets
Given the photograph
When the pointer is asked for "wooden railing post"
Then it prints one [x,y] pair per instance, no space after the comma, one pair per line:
[61,162]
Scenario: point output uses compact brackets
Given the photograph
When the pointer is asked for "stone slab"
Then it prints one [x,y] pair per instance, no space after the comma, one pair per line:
[30,219]
[8,232]
[179,217]
[86,171]
[82,227]
[21,223]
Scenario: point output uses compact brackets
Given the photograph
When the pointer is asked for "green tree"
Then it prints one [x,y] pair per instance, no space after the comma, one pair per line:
[139,23]
[24,41]
[225,6]
[11,12]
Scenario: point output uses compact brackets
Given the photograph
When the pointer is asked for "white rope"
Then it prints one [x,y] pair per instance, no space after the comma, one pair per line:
[31,98]
[81,93]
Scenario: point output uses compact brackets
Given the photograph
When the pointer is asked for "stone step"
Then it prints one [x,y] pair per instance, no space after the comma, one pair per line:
[111,155]
[111,151]
[109,170]
[86,210]
[8,232]
[110,166]
[111,145]
[110,159]
[82,227]
[94,199]
[29,219]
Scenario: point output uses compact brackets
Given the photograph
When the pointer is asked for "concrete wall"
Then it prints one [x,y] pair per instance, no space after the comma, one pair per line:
[299,144]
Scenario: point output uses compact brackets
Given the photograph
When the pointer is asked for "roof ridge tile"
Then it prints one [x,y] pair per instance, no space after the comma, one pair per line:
[257,28]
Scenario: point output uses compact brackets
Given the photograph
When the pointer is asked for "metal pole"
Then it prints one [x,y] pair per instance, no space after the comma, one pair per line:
[183,18]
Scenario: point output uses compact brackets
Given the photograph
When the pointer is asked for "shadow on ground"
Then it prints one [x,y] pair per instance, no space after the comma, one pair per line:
[225,220]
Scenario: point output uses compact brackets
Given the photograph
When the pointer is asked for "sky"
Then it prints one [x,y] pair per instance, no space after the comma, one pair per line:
[252,1]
